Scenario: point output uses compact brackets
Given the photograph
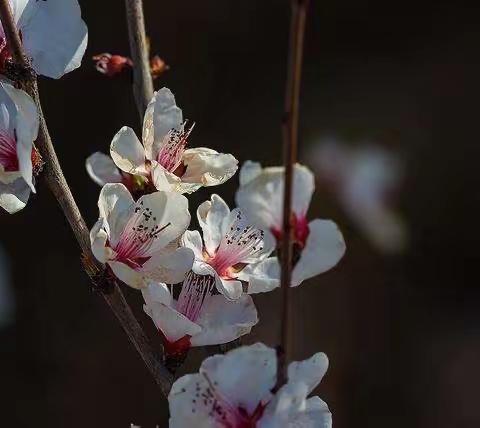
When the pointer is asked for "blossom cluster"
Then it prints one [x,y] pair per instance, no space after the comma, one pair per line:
[197,284]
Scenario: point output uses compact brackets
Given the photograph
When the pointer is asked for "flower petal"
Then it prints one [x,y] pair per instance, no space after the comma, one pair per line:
[324,248]
[115,205]
[161,116]
[25,120]
[165,180]
[207,167]
[244,376]
[230,288]
[127,152]
[98,240]
[157,293]
[102,169]
[261,277]
[128,275]
[186,408]
[172,324]
[249,171]
[213,217]
[310,371]
[14,195]
[54,36]
[158,306]
[170,212]
[169,266]
[290,408]
[223,321]
[260,196]
[193,240]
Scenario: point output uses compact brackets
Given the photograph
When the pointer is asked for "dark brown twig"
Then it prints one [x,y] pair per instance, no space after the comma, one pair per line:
[290,142]
[58,185]
[142,78]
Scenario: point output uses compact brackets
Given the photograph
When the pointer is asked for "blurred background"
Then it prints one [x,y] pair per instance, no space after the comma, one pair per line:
[398,319]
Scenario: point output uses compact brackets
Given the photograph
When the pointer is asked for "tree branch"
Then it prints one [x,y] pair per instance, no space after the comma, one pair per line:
[290,143]
[58,185]
[142,77]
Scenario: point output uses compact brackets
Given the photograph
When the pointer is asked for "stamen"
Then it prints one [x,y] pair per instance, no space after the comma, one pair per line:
[196,290]
[239,243]
[138,236]
[171,152]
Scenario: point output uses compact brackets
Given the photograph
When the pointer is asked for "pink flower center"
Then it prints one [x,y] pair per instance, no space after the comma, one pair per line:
[223,412]
[171,153]
[300,234]
[8,152]
[241,242]
[136,240]
[196,291]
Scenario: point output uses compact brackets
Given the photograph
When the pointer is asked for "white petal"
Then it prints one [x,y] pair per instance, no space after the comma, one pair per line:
[98,240]
[20,10]
[324,248]
[230,288]
[186,408]
[208,167]
[303,188]
[213,217]
[170,212]
[54,36]
[128,275]
[115,205]
[223,321]
[173,324]
[26,120]
[165,180]
[310,371]
[290,409]
[261,195]
[261,277]
[157,293]
[249,171]
[193,240]
[14,196]
[243,376]
[102,169]
[127,152]
[169,267]
[161,116]
[260,199]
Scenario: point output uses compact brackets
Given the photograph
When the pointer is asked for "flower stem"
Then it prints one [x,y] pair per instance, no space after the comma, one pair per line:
[59,187]
[290,143]
[142,77]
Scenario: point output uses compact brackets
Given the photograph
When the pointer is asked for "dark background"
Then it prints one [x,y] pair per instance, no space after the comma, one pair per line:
[402,333]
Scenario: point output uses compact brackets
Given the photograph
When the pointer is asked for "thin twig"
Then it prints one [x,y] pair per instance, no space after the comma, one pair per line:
[142,77]
[290,142]
[58,185]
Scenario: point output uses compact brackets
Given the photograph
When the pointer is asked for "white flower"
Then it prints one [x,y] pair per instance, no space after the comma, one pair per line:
[232,250]
[198,317]
[162,160]
[363,179]
[318,244]
[18,129]
[234,390]
[138,240]
[53,35]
